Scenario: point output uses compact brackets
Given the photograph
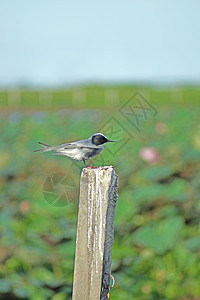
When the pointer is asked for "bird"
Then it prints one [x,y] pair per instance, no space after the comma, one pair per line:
[79,150]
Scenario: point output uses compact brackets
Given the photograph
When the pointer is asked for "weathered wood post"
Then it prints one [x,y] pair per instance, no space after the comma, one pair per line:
[95,233]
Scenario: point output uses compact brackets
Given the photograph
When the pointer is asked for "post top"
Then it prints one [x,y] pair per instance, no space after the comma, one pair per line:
[97,169]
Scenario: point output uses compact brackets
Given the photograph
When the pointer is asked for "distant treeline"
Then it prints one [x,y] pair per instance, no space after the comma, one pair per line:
[94,96]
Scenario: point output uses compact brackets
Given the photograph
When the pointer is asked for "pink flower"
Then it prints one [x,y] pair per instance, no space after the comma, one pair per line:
[150,155]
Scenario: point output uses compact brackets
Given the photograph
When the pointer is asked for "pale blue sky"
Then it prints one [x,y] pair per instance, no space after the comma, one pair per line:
[56,42]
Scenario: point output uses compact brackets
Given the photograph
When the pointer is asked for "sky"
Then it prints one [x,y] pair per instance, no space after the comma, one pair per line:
[56,42]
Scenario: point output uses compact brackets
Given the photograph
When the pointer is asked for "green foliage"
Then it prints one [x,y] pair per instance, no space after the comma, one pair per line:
[156,250]
[161,235]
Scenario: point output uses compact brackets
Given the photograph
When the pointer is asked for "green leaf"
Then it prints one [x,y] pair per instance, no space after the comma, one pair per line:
[157,172]
[161,235]
[5,285]
[176,191]
[21,292]
[193,243]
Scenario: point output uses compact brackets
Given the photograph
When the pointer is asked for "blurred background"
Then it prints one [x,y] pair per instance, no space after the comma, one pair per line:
[130,70]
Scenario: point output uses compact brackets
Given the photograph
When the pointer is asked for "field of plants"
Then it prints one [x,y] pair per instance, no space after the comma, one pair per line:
[156,252]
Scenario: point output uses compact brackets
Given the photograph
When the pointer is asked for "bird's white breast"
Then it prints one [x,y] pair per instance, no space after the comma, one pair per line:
[73,153]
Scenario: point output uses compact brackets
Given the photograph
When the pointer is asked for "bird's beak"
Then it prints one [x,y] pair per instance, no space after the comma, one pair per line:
[111,141]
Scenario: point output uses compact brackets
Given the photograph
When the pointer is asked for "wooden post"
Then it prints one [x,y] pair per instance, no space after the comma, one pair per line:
[95,233]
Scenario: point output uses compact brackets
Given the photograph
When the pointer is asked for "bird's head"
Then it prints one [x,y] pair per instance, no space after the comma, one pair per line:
[99,139]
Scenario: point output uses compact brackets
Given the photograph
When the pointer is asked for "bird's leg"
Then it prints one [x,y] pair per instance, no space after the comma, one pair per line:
[84,163]
[91,165]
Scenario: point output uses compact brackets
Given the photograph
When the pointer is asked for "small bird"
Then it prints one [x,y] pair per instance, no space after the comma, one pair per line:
[79,150]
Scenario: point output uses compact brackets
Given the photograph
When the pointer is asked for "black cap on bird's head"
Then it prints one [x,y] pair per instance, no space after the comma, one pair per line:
[99,139]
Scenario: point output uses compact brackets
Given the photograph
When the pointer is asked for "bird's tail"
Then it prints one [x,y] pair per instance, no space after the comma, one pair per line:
[46,148]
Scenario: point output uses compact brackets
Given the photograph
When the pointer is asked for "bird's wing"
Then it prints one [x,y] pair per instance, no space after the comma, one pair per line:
[73,146]
[79,144]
